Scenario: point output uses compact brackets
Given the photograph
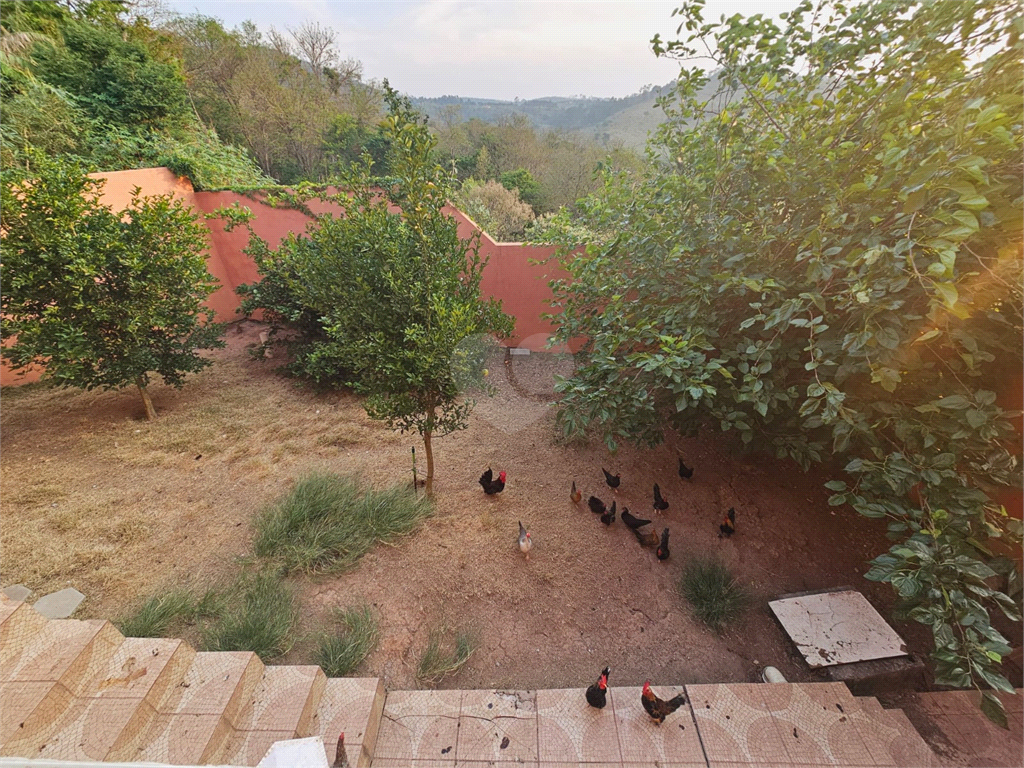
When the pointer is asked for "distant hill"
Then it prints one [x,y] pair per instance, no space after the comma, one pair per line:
[627,121]
[623,120]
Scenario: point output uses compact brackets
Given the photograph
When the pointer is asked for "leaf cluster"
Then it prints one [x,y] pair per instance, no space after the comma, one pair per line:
[385,297]
[102,299]
[828,264]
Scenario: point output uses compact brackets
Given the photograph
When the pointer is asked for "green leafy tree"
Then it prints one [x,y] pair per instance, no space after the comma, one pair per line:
[388,294]
[522,180]
[828,263]
[116,80]
[101,298]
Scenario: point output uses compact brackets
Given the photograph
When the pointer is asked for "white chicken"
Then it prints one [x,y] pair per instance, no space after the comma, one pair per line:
[525,544]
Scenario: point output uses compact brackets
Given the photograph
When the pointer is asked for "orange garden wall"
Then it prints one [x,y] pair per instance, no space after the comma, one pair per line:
[509,276]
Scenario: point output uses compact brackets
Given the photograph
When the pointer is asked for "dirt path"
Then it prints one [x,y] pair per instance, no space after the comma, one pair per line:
[98,498]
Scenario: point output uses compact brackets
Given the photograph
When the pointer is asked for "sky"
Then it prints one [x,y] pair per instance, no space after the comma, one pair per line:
[500,49]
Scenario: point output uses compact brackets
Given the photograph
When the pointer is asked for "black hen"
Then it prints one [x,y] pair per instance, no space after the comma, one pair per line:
[596,505]
[631,521]
[597,694]
[685,472]
[612,480]
[662,551]
[728,526]
[659,503]
[609,517]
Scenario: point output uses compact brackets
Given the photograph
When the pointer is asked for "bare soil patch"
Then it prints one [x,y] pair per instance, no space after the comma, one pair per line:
[98,498]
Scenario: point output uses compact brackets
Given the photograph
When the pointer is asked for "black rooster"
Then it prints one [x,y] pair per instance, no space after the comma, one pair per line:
[596,505]
[612,480]
[597,694]
[490,485]
[685,472]
[662,551]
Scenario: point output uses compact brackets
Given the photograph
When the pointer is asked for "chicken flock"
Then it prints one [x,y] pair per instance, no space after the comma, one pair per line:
[644,530]
[646,534]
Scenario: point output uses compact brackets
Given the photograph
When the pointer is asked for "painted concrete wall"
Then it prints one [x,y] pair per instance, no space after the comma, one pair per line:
[509,276]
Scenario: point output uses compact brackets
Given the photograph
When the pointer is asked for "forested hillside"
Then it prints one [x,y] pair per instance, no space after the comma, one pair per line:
[101,83]
[589,117]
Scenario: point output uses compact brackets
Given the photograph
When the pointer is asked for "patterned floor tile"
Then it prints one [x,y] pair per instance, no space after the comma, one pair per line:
[818,730]
[734,725]
[498,726]
[421,703]
[569,730]
[417,737]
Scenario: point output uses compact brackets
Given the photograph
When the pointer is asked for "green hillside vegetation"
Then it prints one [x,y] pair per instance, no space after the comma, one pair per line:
[583,115]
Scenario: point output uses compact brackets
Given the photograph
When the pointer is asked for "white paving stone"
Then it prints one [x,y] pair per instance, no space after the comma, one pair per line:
[17,591]
[833,628]
[59,605]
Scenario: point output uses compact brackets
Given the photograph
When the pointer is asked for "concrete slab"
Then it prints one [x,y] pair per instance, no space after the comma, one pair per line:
[59,605]
[17,591]
[832,628]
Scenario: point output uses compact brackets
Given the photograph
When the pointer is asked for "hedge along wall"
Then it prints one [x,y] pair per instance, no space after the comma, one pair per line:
[510,274]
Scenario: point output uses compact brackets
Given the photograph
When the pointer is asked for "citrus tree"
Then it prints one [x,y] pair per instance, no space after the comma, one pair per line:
[101,298]
[827,262]
[386,297]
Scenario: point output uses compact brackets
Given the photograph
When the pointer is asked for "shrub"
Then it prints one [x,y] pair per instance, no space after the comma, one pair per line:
[169,609]
[258,617]
[339,654]
[715,595]
[326,523]
[446,652]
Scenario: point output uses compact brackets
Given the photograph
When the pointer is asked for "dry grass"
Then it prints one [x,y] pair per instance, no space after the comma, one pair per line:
[95,496]
[448,649]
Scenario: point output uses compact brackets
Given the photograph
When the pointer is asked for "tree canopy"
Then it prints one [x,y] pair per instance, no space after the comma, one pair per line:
[386,297]
[102,299]
[827,262]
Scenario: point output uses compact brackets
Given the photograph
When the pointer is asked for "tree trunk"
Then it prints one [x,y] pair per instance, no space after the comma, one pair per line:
[150,410]
[430,463]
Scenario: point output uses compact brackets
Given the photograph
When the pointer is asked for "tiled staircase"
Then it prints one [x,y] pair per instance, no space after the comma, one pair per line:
[721,726]
[80,690]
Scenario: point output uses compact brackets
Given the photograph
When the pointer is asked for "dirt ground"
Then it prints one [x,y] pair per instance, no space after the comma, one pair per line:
[97,498]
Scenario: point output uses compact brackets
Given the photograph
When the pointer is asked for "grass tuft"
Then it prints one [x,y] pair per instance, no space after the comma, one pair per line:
[173,608]
[716,596]
[258,616]
[445,653]
[339,653]
[325,523]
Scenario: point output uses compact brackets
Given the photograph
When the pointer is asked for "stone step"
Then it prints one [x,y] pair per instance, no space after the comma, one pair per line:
[954,725]
[196,717]
[890,737]
[119,704]
[19,623]
[353,706]
[282,707]
[44,677]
